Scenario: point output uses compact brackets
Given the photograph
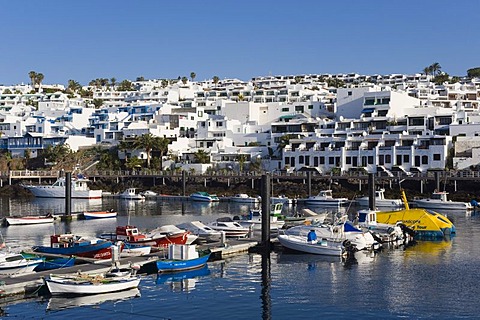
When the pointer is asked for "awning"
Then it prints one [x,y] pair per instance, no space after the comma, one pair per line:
[368,110]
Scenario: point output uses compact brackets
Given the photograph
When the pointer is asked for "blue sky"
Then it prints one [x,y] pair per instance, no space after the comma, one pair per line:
[84,40]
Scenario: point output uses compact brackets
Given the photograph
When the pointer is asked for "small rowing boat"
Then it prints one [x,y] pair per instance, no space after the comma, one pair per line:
[90,215]
[19,220]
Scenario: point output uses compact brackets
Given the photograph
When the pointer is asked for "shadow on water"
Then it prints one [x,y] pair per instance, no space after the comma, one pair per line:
[266,284]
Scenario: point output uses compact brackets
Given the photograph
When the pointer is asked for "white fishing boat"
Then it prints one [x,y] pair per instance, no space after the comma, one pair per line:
[90,284]
[380,201]
[231,228]
[12,263]
[131,194]
[201,230]
[325,198]
[321,247]
[204,197]
[19,220]
[90,215]
[149,194]
[134,251]
[337,232]
[79,185]
[254,218]
[244,198]
[439,201]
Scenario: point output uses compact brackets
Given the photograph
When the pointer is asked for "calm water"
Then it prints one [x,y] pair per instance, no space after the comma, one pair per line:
[432,280]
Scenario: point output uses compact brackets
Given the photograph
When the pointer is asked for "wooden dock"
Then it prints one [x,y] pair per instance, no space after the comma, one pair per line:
[24,284]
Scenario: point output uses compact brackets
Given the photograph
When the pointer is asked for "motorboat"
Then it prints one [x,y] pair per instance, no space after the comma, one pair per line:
[131,235]
[321,247]
[201,230]
[131,194]
[149,194]
[231,228]
[25,220]
[70,244]
[15,263]
[204,197]
[325,198]
[254,218]
[83,284]
[90,215]
[50,263]
[386,233]
[380,201]
[439,201]
[182,258]
[427,224]
[336,232]
[134,251]
[172,232]
[79,185]
[244,198]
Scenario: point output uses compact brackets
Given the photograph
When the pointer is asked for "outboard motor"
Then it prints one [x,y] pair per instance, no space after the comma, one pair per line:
[350,248]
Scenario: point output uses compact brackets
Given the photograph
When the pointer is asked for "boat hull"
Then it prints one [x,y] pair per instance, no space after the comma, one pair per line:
[321,248]
[442,205]
[99,215]
[55,263]
[17,221]
[60,286]
[100,250]
[181,265]
[19,266]
[59,192]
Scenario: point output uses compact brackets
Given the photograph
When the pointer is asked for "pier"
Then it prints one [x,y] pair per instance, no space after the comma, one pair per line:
[25,284]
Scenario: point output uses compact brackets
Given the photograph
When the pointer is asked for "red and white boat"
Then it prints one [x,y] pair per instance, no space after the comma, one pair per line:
[89,215]
[172,232]
[19,220]
[131,235]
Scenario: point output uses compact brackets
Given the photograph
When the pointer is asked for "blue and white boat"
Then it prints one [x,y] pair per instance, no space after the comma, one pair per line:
[182,258]
[69,244]
[15,263]
[204,197]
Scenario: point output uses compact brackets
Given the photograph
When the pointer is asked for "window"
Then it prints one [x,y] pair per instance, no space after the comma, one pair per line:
[307,160]
[219,124]
[350,93]
[287,160]
[381,159]
[300,160]
[331,160]
[436,156]
[285,109]
[348,160]
[406,158]
[315,161]
[424,159]
[399,160]
[322,160]
[370,159]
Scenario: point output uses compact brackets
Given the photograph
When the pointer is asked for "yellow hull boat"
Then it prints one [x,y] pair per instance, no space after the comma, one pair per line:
[426,223]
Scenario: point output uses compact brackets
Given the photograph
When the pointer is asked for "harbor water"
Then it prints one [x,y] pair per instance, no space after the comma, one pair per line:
[429,280]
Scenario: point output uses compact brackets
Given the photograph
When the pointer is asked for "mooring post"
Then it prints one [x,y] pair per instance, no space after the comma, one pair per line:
[68,194]
[371,191]
[184,182]
[265,194]
[437,180]
[309,179]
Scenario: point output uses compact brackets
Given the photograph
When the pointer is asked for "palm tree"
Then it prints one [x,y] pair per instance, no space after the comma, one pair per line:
[113,81]
[241,161]
[202,157]
[33,76]
[426,70]
[164,83]
[161,145]
[436,67]
[38,79]
[124,146]
[146,142]
[73,86]
[133,163]
[298,79]
[184,80]
[215,80]
[192,76]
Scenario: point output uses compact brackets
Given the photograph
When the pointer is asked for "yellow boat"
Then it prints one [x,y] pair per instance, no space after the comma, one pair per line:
[427,224]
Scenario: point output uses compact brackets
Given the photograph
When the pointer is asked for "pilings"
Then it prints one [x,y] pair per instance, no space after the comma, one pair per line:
[371,191]
[265,194]
[68,193]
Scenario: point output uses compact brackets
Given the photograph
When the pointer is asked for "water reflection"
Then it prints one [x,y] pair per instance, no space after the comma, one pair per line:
[60,303]
[266,284]
[42,206]
[182,281]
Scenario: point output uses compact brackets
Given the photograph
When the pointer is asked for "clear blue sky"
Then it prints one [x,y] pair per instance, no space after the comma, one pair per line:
[84,40]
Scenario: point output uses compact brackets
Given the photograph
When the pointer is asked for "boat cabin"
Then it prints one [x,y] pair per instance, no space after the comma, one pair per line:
[367,218]
[439,195]
[129,233]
